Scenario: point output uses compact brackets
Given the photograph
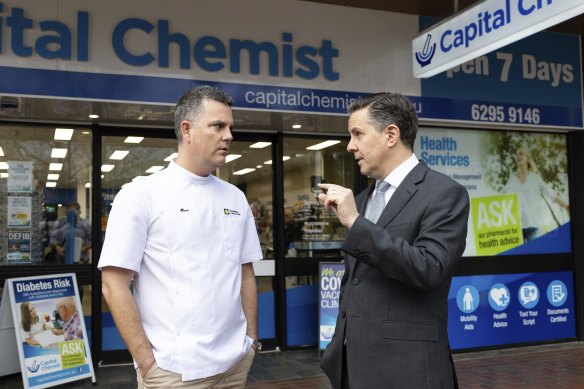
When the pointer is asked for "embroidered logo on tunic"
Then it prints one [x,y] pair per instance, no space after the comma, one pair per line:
[228,211]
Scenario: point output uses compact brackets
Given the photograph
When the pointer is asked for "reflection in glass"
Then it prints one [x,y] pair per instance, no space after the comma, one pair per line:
[310,230]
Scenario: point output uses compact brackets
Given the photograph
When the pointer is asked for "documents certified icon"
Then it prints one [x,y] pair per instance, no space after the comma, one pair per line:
[557,293]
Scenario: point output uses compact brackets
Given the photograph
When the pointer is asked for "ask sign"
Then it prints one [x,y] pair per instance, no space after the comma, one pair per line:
[489,25]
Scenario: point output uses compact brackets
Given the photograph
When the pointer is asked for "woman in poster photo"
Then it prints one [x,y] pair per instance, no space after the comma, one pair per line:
[533,194]
[31,323]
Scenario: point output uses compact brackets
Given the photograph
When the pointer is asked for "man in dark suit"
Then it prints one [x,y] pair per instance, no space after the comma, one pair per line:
[391,331]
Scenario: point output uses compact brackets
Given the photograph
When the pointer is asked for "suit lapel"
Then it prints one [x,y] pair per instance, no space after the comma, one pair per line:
[403,194]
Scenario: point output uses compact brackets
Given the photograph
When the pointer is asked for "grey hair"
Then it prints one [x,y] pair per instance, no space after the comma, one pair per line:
[189,105]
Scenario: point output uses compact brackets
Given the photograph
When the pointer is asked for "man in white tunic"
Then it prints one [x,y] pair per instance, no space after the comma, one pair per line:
[187,240]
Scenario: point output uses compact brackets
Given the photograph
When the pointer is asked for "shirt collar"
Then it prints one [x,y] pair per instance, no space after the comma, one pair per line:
[399,174]
[179,172]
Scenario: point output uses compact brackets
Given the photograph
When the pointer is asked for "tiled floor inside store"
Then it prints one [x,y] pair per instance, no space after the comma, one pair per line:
[534,367]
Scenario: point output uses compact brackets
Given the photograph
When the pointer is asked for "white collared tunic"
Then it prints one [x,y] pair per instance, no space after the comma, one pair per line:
[186,237]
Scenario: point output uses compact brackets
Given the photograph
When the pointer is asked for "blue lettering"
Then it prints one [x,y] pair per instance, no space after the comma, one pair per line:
[132,40]
[118,41]
[328,52]
[444,47]
[287,55]
[18,23]
[209,47]
[303,56]
[524,11]
[82,36]
[164,41]
[1,26]
[62,40]
[254,50]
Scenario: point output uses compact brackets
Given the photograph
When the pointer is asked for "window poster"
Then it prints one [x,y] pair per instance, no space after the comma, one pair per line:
[51,338]
[490,310]
[18,247]
[330,276]
[20,176]
[517,183]
[19,211]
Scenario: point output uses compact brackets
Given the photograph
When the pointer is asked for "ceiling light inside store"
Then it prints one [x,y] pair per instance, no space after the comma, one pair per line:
[63,133]
[58,153]
[88,185]
[259,166]
[243,171]
[260,145]
[1,152]
[93,116]
[107,168]
[284,158]
[3,175]
[119,154]
[232,157]
[51,184]
[52,177]
[154,169]
[134,139]
[323,145]
[3,165]
[56,166]
[297,126]
[171,157]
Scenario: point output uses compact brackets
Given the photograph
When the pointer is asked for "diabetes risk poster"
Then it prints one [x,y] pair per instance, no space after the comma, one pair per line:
[517,183]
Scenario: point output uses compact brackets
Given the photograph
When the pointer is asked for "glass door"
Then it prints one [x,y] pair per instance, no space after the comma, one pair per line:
[249,167]
[126,156]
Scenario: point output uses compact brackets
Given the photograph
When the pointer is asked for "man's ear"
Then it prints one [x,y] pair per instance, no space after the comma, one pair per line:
[392,134]
[185,130]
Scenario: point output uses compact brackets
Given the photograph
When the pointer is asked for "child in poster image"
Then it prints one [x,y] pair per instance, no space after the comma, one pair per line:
[533,195]
[31,323]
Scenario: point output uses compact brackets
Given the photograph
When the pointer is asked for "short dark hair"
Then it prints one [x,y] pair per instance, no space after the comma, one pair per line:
[388,108]
[189,104]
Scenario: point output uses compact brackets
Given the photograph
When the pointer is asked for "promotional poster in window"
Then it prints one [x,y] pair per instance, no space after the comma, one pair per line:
[517,183]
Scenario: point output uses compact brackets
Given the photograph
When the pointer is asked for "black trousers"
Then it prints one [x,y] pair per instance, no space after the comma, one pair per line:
[345,375]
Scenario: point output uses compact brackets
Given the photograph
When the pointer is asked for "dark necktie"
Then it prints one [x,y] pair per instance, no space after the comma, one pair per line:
[378,201]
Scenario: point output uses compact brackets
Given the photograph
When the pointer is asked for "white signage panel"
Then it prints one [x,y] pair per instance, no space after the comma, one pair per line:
[487,26]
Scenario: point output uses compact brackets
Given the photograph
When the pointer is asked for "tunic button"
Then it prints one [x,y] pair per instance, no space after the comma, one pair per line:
[355,281]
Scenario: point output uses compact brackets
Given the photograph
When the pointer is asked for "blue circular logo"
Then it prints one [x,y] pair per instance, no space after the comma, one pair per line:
[557,293]
[467,299]
[499,297]
[528,295]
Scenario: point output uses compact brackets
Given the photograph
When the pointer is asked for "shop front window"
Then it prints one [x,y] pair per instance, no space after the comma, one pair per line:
[309,229]
[45,195]
[311,233]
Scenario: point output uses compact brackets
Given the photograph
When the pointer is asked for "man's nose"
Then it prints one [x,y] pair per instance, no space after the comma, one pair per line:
[351,147]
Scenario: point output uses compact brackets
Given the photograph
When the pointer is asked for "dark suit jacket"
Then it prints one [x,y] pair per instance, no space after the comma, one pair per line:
[393,310]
